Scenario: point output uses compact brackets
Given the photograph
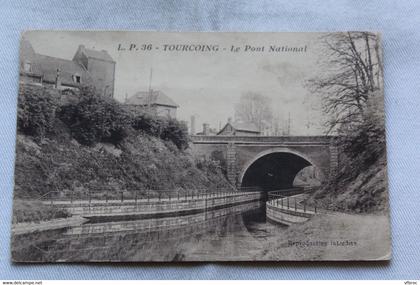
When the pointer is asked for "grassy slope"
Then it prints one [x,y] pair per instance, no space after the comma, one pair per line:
[365,193]
[141,162]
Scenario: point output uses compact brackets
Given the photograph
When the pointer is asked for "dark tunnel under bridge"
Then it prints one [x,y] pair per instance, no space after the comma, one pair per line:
[273,171]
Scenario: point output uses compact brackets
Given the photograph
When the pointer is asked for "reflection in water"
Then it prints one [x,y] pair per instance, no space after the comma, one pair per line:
[236,232]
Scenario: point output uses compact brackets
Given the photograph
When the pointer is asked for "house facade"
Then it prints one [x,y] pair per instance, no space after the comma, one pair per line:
[154,101]
[87,68]
[239,129]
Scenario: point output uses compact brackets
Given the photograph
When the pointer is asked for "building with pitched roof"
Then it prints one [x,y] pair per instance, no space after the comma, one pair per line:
[154,101]
[239,129]
[87,68]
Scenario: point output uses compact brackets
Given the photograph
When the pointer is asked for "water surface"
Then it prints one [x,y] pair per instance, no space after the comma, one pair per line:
[234,233]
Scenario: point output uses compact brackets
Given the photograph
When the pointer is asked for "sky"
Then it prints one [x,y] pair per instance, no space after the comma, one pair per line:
[207,84]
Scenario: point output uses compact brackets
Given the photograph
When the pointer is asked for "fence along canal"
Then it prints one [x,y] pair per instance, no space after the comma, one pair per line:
[130,204]
[289,207]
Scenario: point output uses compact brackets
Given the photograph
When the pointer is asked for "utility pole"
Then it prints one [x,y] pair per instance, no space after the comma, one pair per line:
[58,79]
[150,79]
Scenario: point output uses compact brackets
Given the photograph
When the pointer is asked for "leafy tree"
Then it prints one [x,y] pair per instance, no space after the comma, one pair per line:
[254,108]
[165,128]
[148,123]
[352,73]
[177,132]
[96,119]
[36,111]
[351,89]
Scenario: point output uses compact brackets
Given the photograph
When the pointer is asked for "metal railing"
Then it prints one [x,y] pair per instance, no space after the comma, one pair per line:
[108,195]
[293,200]
[319,140]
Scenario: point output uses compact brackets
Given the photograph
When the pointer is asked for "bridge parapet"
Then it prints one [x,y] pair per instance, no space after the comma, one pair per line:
[323,140]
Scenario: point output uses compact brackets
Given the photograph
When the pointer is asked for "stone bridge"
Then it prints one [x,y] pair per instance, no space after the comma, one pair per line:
[268,161]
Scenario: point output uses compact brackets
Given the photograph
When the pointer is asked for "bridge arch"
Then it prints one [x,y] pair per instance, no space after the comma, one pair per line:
[284,155]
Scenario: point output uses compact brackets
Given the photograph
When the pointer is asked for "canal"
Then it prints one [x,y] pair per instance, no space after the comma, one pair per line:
[239,232]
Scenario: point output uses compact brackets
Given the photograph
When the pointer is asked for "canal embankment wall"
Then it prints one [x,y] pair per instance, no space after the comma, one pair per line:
[155,207]
[288,210]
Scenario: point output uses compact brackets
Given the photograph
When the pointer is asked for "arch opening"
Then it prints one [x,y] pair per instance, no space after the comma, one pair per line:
[273,171]
[308,176]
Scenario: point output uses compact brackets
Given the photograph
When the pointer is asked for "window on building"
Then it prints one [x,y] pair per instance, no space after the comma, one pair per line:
[76,78]
[27,66]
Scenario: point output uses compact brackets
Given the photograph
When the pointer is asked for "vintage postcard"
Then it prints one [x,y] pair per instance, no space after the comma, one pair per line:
[152,146]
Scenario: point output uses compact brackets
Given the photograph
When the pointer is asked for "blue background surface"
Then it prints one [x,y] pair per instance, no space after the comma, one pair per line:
[399,21]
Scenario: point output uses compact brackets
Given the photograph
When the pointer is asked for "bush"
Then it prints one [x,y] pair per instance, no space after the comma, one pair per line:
[164,128]
[96,119]
[36,111]
[362,147]
[177,132]
[149,124]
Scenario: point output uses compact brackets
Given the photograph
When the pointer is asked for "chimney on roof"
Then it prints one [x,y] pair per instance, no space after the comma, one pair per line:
[81,46]
[206,129]
[230,120]
[192,130]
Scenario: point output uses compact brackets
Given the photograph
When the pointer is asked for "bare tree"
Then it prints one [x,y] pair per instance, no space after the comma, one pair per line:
[254,108]
[353,72]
